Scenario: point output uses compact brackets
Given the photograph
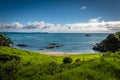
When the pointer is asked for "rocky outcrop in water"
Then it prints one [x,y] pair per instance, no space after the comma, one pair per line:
[87,35]
[21,45]
[52,45]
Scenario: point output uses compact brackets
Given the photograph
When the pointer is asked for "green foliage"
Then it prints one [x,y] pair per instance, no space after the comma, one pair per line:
[118,35]
[111,43]
[8,71]
[77,60]
[5,41]
[52,68]
[5,57]
[9,66]
[67,60]
[35,66]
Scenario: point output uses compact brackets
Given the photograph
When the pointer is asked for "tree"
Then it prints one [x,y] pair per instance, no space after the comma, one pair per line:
[5,41]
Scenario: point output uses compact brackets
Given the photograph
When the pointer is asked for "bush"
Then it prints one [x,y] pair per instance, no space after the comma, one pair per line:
[67,60]
[5,41]
[77,60]
[9,66]
[5,57]
[52,67]
[9,70]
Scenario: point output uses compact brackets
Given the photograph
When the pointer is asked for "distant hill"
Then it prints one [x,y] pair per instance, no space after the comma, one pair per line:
[23,32]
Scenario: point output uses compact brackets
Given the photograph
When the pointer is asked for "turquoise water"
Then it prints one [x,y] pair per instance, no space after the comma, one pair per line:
[69,42]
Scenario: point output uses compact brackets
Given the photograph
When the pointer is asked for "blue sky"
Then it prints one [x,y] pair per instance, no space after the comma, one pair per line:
[58,11]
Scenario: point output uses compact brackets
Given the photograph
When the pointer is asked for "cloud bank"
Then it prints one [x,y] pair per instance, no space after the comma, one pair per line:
[95,25]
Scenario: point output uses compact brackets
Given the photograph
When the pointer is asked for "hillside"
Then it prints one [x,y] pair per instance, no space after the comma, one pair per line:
[19,64]
[110,43]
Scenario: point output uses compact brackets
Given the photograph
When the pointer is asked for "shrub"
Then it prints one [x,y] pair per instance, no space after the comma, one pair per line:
[9,70]
[9,66]
[5,57]
[52,67]
[77,60]
[67,60]
[5,41]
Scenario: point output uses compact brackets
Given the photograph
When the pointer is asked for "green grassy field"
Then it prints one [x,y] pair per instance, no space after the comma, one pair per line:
[27,56]
[16,64]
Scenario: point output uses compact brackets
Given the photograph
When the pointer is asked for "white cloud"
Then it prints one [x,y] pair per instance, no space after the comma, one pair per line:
[12,25]
[93,25]
[37,25]
[95,20]
[83,7]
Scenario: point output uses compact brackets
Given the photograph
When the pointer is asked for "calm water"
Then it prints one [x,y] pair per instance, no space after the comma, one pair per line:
[70,42]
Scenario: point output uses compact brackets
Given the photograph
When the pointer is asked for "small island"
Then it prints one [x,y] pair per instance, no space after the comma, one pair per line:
[21,45]
[87,35]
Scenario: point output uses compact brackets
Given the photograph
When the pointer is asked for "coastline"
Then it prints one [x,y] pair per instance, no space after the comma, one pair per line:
[63,53]
[57,53]
[39,42]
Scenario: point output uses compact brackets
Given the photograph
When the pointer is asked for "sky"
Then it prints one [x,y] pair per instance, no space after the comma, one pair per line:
[64,16]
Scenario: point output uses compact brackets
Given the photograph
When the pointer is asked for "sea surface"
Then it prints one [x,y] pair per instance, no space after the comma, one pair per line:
[69,42]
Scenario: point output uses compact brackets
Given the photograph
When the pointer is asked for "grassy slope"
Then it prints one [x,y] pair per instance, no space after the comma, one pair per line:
[35,66]
[37,58]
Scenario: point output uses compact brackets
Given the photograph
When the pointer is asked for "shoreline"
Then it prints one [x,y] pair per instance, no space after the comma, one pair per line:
[62,53]
[57,53]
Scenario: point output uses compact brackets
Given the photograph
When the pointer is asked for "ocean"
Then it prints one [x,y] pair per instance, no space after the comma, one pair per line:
[69,42]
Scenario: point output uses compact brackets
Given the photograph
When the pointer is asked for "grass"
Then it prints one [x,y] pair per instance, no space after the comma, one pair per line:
[38,66]
[35,57]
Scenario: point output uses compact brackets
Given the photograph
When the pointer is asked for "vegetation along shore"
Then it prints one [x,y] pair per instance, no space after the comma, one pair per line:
[18,64]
